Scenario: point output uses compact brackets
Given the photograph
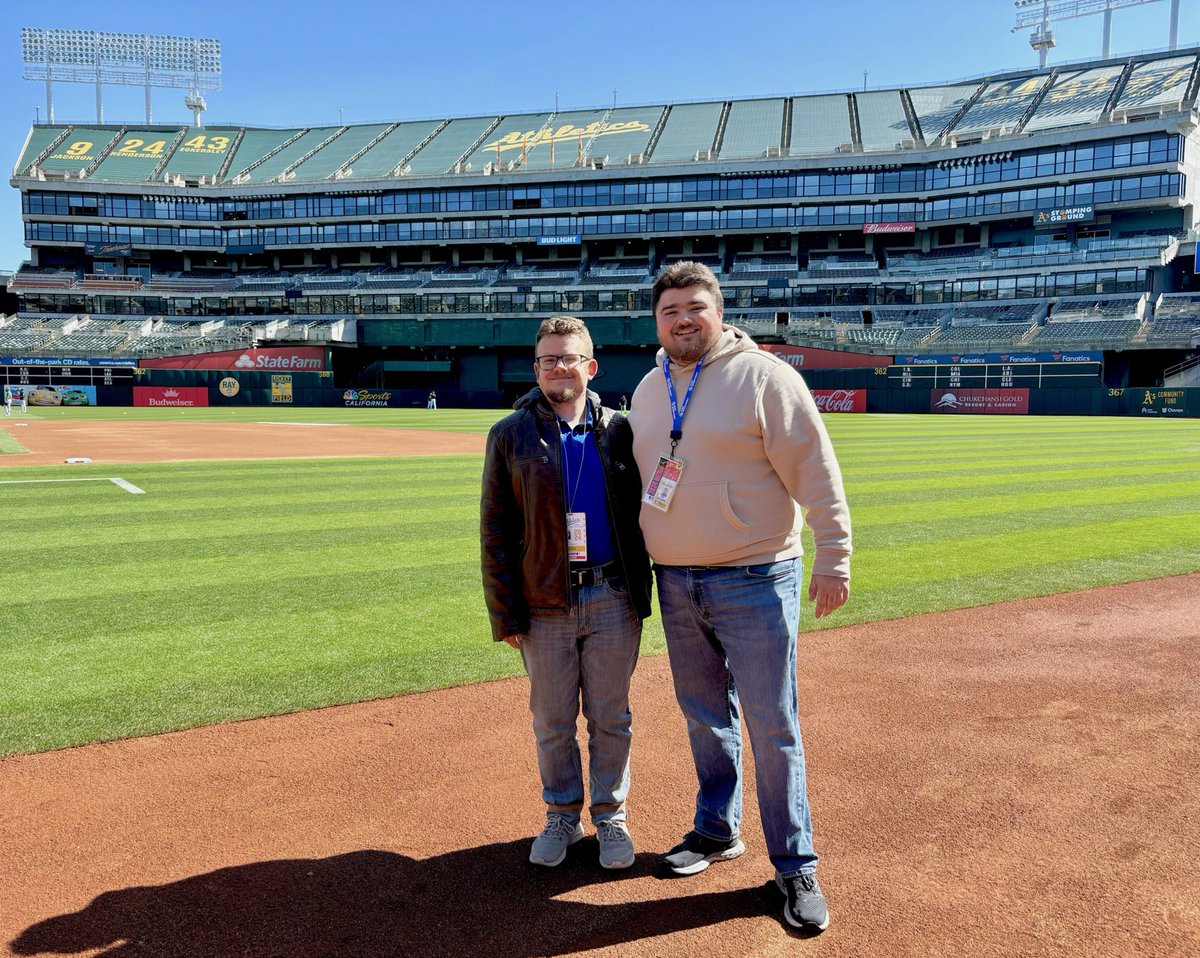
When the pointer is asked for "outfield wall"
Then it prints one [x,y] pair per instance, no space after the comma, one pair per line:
[877,390]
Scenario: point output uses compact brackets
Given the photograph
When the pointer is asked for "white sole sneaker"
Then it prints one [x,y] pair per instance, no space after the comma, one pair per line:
[728,855]
[545,860]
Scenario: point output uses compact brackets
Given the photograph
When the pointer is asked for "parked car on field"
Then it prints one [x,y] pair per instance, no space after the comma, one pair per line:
[45,396]
[74,397]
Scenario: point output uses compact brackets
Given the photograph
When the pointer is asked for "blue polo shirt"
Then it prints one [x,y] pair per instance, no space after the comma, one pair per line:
[583,483]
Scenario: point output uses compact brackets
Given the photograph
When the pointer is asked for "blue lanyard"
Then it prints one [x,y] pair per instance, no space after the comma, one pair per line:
[677,410]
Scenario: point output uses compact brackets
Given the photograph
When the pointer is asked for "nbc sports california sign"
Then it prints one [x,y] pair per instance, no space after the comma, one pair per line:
[273,359]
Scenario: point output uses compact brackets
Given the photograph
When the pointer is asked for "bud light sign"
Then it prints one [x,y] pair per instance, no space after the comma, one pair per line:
[841,400]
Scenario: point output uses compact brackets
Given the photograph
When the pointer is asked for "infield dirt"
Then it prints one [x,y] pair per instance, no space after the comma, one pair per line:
[1016,779]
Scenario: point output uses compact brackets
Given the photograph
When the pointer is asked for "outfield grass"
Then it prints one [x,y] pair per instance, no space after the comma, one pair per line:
[446,420]
[251,588]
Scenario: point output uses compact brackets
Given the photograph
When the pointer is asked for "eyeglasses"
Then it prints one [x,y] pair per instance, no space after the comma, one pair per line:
[550,363]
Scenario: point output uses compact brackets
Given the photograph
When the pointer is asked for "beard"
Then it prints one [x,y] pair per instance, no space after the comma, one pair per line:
[687,353]
[561,394]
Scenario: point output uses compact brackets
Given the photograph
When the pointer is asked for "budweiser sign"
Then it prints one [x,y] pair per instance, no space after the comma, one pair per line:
[905,227]
[841,400]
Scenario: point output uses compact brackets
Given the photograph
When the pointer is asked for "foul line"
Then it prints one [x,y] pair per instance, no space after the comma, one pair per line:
[127,486]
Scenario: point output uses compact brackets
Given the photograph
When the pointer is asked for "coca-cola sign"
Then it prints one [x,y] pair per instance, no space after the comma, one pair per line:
[841,400]
[904,227]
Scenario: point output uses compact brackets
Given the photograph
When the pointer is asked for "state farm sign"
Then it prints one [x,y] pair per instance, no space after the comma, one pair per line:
[841,400]
[274,359]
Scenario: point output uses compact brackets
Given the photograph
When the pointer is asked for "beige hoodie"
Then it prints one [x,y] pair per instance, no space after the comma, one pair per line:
[756,451]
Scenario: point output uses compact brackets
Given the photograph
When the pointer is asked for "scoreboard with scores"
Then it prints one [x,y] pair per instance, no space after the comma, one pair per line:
[25,371]
[995,375]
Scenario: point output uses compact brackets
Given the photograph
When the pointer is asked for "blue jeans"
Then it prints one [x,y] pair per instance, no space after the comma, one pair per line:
[731,639]
[590,653]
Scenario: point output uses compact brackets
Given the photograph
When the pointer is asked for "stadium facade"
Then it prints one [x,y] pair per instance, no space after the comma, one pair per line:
[1020,231]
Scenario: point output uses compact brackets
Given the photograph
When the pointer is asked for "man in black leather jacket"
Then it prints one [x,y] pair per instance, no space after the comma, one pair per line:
[567,583]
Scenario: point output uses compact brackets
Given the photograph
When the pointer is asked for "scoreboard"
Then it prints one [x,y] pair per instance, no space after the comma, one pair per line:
[994,375]
[41,372]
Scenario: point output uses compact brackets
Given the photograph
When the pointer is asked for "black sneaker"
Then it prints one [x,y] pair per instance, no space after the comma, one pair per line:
[694,853]
[805,907]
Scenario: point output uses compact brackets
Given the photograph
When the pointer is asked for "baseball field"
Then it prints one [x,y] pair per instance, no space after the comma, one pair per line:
[218,564]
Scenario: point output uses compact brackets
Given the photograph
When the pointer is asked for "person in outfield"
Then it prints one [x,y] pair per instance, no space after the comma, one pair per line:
[732,447]
[567,583]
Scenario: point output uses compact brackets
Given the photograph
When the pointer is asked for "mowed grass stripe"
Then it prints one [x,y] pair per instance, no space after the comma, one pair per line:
[9,446]
[246,588]
[448,420]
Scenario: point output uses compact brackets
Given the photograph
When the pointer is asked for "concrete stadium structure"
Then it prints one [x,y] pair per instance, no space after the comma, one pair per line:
[1035,214]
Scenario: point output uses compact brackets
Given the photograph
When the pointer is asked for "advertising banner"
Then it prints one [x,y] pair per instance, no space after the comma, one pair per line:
[1010,359]
[841,400]
[270,359]
[170,396]
[367,397]
[804,357]
[108,249]
[1171,403]
[65,361]
[995,402]
[908,226]
[36,395]
[1057,216]
[281,389]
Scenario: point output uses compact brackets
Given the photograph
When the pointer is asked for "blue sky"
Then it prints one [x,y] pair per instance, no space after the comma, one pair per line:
[301,62]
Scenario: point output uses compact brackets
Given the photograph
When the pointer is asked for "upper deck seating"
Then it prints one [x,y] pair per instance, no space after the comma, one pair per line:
[882,122]
[751,128]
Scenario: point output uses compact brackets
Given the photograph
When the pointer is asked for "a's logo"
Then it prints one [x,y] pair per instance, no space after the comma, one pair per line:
[567,133]
[243,362]
[229,386]
[948,401]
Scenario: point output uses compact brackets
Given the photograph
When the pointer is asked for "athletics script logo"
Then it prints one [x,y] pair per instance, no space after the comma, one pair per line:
[568,132]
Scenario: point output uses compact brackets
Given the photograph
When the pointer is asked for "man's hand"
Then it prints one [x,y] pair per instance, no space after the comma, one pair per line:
[830,592]
[516,639]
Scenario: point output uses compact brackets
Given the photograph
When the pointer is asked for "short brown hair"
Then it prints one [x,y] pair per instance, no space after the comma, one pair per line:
[565,326]
[681,275]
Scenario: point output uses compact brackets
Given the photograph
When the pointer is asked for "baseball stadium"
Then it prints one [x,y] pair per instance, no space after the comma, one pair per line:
[249,704]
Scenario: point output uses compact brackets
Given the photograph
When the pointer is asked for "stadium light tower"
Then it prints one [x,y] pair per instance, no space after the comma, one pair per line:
[1039,14]
[122,59]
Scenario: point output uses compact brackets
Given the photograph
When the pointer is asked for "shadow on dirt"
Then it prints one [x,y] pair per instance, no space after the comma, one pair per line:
[371,904]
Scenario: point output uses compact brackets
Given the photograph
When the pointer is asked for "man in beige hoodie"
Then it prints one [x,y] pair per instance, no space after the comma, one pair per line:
[731,449]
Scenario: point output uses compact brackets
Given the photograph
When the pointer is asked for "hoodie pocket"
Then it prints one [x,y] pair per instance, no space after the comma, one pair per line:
[701,526]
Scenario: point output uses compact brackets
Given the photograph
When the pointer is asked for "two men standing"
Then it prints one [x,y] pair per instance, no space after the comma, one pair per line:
[730,447]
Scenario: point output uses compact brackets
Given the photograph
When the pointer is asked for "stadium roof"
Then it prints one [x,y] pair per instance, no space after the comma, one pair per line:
[991,108]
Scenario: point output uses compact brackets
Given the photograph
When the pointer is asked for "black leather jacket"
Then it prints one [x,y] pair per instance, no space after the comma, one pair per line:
[523,524]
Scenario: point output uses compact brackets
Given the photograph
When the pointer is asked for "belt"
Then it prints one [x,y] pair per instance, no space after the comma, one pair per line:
[595,575]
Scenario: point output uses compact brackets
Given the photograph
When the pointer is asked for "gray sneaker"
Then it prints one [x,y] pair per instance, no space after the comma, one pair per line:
[805,907]
[550,847]
[616,847]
